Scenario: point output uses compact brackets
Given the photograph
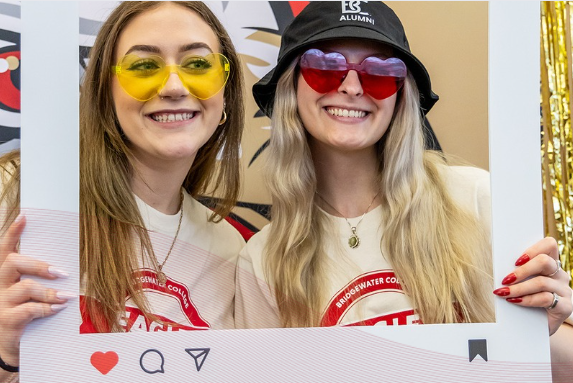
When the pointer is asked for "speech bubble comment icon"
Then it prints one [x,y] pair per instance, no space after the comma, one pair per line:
[104,362]
[152,361]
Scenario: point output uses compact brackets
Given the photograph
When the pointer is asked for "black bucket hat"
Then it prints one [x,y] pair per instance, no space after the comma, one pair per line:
[328,20]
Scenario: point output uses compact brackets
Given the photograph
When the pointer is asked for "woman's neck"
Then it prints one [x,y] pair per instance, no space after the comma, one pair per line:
[159,185]
[347,182]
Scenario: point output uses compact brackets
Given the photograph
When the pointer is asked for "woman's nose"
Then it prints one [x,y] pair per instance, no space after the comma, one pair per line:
[351,84]
[174,87]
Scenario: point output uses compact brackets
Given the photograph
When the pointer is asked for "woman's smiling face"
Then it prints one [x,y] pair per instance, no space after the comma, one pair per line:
[174,124]
[346,118]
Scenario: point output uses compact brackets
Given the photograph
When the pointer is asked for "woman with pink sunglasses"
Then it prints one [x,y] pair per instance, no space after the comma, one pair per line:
[368,227]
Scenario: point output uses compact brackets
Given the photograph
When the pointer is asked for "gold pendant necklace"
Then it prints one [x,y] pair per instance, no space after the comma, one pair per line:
[354,239]
[161,277]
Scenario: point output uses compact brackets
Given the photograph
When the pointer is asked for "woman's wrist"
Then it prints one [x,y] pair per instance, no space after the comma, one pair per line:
[8,363]
[569,320]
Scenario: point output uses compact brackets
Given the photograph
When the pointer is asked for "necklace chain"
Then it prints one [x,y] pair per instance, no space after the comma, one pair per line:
[354,240]
[161,277]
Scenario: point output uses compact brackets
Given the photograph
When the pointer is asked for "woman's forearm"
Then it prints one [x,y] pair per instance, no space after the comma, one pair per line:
[8,377]
[562,354]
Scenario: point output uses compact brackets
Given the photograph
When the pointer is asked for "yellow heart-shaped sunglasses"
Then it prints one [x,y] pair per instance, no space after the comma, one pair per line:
[144,77]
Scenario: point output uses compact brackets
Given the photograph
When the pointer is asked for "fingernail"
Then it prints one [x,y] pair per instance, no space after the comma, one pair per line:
[514,300]
[57,272]
[19,218]
[502,291]
[57,308]
[509,279]
[522,260]
[65,295]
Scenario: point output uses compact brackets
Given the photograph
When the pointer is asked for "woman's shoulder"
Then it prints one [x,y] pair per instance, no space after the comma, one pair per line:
[470,187]
[253,250]
[461,180]
[251,257]
[221,229]
[468,175]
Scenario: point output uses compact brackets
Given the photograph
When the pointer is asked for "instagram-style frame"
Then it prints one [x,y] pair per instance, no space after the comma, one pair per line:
[53,350]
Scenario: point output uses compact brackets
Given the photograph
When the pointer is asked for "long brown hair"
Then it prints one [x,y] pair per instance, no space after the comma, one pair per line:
[439,250]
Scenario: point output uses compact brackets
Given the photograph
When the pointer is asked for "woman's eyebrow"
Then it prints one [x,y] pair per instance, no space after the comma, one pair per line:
[144,48]
[154,49]
[192,46]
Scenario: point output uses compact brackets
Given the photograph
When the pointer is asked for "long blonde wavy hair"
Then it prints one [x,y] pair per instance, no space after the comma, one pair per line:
[438,250]
[111,227]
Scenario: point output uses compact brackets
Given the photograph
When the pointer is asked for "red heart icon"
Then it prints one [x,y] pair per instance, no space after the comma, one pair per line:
[104,362]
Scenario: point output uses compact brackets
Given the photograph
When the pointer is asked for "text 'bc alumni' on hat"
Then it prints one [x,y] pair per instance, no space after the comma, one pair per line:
[329,20]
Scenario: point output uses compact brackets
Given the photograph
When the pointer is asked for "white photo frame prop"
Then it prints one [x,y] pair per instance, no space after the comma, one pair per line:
[53,349]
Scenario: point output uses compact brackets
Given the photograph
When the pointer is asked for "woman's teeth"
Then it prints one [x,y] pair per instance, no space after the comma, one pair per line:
[346,112]
[170,117]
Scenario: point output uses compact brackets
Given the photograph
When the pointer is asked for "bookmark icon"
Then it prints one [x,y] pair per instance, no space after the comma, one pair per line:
[477,347]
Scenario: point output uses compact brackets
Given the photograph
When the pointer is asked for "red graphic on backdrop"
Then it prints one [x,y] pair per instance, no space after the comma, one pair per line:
[297,6]
[10,95]
[362,287]
[246,232]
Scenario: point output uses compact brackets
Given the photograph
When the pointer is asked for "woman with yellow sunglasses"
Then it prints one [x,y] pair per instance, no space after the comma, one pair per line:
[160,101]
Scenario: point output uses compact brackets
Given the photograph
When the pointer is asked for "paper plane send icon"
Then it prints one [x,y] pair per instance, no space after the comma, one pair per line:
[199,355]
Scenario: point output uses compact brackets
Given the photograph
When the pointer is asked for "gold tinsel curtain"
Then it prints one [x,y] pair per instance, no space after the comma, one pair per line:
[556,139]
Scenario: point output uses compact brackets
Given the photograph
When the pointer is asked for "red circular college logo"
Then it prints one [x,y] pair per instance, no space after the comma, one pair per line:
[362,288]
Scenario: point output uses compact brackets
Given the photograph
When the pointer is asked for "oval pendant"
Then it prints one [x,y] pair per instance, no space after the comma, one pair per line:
[353,241]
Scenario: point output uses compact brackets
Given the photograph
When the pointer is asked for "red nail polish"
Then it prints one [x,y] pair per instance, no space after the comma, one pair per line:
[522,260]
[509,279]
[514,300]
[502,291]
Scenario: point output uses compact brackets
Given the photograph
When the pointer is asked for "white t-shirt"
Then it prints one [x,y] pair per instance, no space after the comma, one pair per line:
[362,284]
[200,287]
